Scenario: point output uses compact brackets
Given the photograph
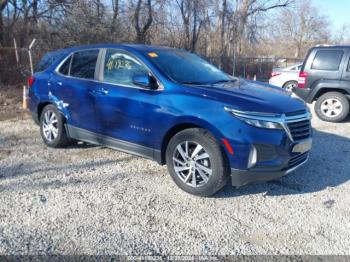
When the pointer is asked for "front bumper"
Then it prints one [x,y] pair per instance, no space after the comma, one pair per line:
[243,177]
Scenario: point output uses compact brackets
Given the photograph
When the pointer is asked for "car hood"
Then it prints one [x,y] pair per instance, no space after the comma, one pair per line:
[251,96]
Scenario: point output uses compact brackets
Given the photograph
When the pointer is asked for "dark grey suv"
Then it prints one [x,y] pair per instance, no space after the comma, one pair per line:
[325,78]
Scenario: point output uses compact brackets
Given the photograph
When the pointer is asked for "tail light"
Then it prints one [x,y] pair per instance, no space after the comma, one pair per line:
[275,74]
[302,79]
[31,80]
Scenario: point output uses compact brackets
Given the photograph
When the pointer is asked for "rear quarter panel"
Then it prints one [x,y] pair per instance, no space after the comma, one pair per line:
[38,92]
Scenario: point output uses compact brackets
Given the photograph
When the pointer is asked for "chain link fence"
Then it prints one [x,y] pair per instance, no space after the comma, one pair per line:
[15,65]
[258,68]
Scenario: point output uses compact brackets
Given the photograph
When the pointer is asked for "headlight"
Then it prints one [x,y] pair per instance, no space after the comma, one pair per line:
[257,119]
[261,123]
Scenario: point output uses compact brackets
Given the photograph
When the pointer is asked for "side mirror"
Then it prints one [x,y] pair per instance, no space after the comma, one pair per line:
[145,81]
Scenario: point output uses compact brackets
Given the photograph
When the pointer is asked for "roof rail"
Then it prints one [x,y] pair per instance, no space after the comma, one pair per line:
[325,45]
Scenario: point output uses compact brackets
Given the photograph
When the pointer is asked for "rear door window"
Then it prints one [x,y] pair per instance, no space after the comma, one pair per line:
[64,69]
[84,63]
[328,60]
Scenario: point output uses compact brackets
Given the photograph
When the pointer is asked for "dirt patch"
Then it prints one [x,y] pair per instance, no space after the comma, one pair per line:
[11,103]
[4,153]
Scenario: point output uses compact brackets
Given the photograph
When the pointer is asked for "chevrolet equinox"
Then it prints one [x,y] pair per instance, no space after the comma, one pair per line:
[174,107]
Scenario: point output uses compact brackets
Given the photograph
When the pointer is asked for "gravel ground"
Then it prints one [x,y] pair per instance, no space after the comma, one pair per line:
[92,200]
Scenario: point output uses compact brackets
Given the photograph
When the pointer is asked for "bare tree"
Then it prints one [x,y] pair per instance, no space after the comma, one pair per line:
[217,29]
[142,30]
[115,10]
[301,27]
[246,9]
[193,14]
[222,31]
[3,4]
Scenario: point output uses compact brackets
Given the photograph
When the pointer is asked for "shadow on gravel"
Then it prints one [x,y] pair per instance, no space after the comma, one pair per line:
[25,169]
[81,145]
[328,166]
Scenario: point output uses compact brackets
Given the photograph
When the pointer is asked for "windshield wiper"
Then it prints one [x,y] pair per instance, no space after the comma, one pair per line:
[193,83]
[210,83]
[223,81]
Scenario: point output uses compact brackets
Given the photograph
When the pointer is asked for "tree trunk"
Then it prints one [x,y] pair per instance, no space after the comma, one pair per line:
[297,51]
[141,33]
[35,11]
[186,21]
[115,7]
[1,29]
[3,4]
[194,29]
[222,33]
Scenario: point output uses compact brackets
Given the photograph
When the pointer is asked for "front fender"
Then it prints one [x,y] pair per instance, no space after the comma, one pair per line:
[196,121]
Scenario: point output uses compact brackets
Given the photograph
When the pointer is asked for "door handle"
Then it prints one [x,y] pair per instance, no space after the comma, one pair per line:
[49,83]
[104,91]
[101,91]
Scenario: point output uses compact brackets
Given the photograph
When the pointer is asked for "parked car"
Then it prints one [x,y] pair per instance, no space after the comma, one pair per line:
[287,78]
[175,108]
[325,78]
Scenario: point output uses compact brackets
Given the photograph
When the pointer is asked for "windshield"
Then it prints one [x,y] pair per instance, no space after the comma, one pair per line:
[187,68]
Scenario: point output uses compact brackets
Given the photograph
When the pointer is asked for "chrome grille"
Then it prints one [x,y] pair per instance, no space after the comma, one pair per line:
[298,126]
[300,130]
[296,113]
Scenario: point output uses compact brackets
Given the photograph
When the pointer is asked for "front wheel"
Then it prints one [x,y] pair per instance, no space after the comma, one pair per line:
[332,107]
[196,163]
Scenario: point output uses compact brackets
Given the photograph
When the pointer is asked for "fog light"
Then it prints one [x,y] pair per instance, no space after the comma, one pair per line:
[253,156]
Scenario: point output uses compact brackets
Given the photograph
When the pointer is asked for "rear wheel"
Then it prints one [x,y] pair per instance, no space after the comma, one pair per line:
[332,107]
[52,127]
[290,85]
[196,163]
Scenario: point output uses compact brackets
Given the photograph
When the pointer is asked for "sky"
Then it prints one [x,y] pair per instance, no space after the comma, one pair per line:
[338,11]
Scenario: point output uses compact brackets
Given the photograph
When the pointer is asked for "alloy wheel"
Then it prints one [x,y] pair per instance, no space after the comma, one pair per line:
[50,126]
[192,164]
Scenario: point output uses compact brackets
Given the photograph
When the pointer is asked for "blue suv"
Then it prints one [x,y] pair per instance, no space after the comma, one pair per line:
[171,106]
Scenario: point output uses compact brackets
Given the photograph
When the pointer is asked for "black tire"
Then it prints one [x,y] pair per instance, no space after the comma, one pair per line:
[216,161]
[62,139]
[289,86]
[335,96]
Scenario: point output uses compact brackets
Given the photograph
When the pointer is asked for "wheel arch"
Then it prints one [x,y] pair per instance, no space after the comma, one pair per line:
[41,106]
[194,123]
[325,90]
[288,81]
[53,100]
